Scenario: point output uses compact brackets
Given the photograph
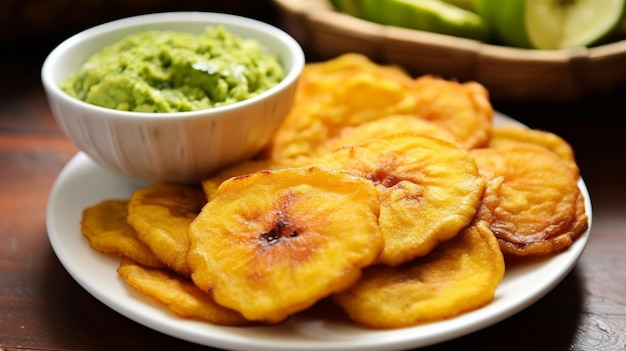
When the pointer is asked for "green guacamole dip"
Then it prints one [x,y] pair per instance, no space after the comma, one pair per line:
[168,71]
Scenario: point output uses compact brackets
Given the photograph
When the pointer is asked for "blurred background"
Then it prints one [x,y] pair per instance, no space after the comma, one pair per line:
[29,29]
[37,19]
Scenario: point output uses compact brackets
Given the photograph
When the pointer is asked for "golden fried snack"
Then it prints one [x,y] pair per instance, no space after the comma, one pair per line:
[104,225]
[540,208]
[429,189]
[557,242]
[365,97]
[275,242]
[299,134]
[460,275]
[352,90]
[210,185]
[393,124]
[320,77]
[178,293]
[464,109]
[161,215]
[359,98]
[505,136]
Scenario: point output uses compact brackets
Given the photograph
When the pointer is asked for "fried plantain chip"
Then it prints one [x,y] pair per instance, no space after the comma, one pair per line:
[299,134]
[460,275]
[560,241]
[463,109]
[539,206]
[365,97]
[357,99]
[514,135]
[320,77]
[393,124]
[273,243]
[210,185]
[104,225]
[352,90]
[161,215]
[178,293]
[429,189]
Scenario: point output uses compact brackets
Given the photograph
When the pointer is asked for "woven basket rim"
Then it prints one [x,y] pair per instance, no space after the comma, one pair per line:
[574,72]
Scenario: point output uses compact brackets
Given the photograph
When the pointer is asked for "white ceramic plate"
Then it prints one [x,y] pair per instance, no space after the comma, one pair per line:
[82,183]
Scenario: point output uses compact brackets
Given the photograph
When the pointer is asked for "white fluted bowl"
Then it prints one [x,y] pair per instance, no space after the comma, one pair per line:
[178,146]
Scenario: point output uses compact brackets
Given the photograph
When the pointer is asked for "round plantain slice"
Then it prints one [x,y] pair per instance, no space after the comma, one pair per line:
[506,136]
[464,109]
[539,202]
[211,184]
[161,215]
[178,293]
[460,275]
[556,243]
[273,243]
[429,189]
[360,98]
[105,227]
[382,127]
[320,77]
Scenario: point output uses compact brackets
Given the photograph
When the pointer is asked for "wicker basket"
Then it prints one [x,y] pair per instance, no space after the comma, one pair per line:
[508,73]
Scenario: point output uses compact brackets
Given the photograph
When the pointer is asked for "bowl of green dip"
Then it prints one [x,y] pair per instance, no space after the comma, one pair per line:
[173,96]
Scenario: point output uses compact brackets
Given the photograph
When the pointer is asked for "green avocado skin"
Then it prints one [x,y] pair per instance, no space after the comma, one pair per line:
[508,12]
[426,15]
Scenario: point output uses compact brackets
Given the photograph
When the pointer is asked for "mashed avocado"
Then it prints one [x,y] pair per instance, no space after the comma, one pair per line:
[167,71]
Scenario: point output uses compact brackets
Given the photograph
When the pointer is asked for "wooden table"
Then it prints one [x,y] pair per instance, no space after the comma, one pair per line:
[43,308]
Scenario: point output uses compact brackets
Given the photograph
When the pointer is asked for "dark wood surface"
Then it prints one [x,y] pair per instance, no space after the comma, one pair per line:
[43,308]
